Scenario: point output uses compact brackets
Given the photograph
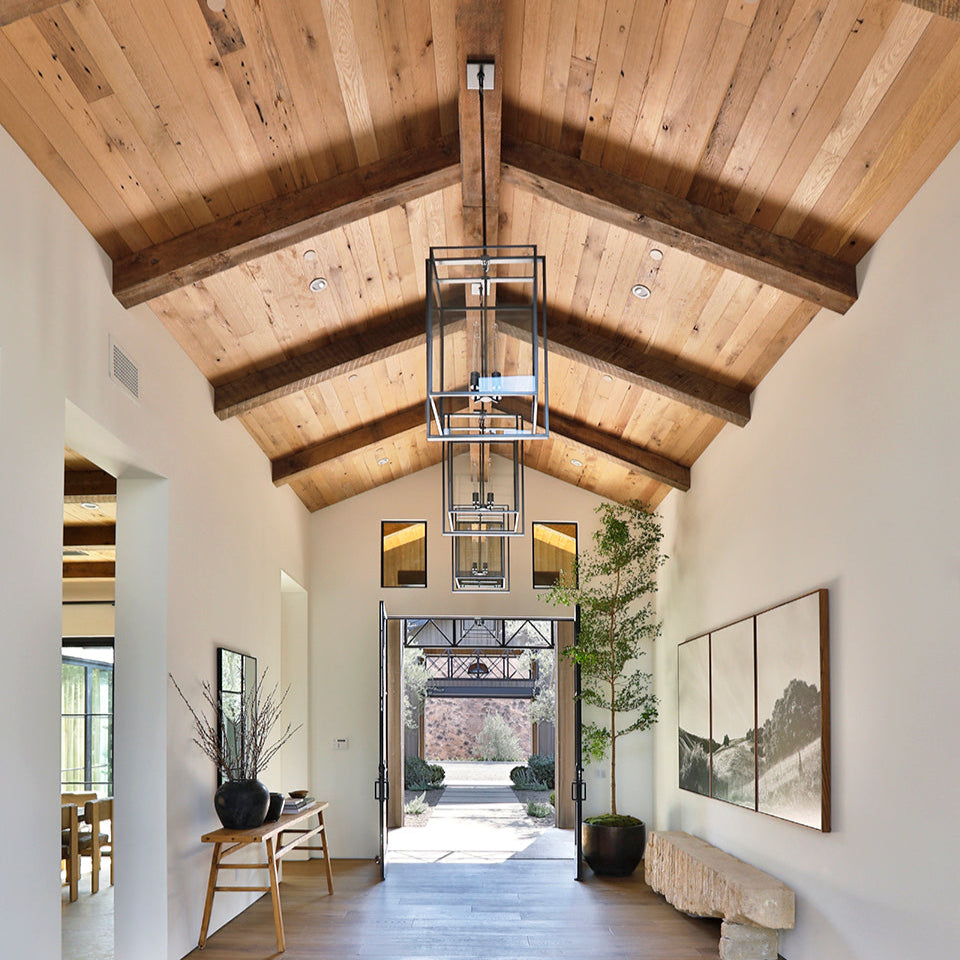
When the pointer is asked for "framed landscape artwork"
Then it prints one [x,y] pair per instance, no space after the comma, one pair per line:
[754,712]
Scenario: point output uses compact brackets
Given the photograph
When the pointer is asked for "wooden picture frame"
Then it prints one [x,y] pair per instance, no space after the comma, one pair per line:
[772,666]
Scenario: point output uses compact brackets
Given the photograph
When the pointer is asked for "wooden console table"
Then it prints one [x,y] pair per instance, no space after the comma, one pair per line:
[271,834]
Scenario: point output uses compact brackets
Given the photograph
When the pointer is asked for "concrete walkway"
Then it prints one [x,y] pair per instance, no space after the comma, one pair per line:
[479,820]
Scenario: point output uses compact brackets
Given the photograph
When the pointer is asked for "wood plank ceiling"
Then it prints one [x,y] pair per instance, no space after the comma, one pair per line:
[736,158]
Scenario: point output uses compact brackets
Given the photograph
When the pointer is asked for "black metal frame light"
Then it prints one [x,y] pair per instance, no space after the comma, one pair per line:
[483,488]
[463,305]
[481,564]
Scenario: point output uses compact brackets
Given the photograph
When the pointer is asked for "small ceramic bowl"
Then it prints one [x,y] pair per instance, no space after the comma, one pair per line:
[298,794]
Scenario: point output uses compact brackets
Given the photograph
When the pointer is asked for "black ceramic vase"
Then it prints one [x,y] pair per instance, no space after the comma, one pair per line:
[613,851]
[275,808]
[241,804]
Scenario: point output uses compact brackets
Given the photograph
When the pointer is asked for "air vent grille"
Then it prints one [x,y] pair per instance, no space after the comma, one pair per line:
[124,371]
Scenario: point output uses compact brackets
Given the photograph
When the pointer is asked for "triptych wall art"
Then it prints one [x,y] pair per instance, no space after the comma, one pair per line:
[754,712]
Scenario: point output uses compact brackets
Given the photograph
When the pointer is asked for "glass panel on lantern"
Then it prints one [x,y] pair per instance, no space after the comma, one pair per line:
[483,489]
[486,341]
[480,564]
[554,553]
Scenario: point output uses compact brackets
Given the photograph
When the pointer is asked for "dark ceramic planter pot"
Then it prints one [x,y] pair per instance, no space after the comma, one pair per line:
[275,808]
[241,804]
[613,851]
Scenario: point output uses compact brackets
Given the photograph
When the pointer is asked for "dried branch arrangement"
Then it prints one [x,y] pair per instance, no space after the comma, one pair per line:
[244,755]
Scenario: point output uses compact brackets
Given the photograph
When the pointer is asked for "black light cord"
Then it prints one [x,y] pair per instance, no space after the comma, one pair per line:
[483,162]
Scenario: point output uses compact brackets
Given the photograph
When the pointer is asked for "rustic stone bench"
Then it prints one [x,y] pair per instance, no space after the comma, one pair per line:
[703,881]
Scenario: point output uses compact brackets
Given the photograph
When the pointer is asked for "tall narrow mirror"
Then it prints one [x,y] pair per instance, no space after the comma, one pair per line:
[236,694]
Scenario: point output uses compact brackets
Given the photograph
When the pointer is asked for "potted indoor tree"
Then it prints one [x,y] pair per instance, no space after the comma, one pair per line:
[614,584]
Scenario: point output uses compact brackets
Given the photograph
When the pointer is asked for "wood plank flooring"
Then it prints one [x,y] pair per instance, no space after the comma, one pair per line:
[530,909]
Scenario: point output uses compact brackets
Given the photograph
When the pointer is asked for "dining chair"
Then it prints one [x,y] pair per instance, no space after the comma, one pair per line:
[70,846]
[95,843]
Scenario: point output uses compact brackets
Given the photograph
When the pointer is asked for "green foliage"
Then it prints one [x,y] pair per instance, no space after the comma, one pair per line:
[417,805]
[496,741]
[541,664]
[614,585]
[420,775]
[542,768]
[613,820]
[539,810]
[525,779]
[415,677]
[553,798]
[536,775]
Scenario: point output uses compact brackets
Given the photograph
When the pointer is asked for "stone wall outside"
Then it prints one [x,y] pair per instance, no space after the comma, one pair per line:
[451,725]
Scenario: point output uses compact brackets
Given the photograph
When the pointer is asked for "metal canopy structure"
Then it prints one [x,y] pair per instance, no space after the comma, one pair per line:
[478,632]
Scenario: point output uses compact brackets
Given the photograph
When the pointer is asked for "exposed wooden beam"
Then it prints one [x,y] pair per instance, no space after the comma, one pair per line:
[942,8]
[95,486]
[622,360]
[711,236]
[90,535]
[89,569]
[298,464]
[278,223]
[479,28]
[334,356]
[611,446]
[13,10]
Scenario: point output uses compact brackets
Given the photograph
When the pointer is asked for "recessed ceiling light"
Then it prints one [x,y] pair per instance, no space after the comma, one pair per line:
[656,254]
[352,377]
[640,291]
[383,461]
[576,462]
[216,5]
[90,506]
[310,255]
[317,284]
[607,378]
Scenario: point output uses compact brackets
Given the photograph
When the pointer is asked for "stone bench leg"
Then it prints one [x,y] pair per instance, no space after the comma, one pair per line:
[743,941]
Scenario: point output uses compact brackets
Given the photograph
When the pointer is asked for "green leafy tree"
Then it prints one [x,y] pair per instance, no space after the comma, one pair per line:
[614,584]
[416,674]
[540,664]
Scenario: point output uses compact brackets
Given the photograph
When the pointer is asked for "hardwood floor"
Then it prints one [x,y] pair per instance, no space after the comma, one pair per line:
[531,909]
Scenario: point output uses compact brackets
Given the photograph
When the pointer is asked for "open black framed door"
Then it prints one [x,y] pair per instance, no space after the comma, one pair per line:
[381,786]
[578,788]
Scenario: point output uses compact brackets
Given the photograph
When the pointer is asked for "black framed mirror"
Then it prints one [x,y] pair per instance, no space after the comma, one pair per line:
[236,695]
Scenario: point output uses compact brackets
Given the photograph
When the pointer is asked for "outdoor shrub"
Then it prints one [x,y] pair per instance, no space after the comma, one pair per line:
[420,775]
[417,805]
[553,798]
[539,810]
[496,741]
[524,779]
[542,768]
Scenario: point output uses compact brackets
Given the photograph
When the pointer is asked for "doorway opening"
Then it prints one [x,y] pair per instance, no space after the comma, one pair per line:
[87,709]
[481,741]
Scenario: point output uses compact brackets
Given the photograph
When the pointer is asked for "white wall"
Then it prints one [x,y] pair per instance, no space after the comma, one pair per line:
[847,477]
[227,536]
[345,592]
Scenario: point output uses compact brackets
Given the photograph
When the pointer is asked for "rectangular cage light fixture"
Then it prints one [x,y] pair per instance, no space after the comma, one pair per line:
[483,489]
[478,299]
[480,564]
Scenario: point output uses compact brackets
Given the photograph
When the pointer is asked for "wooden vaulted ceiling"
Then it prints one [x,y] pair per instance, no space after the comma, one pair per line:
[736,158]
